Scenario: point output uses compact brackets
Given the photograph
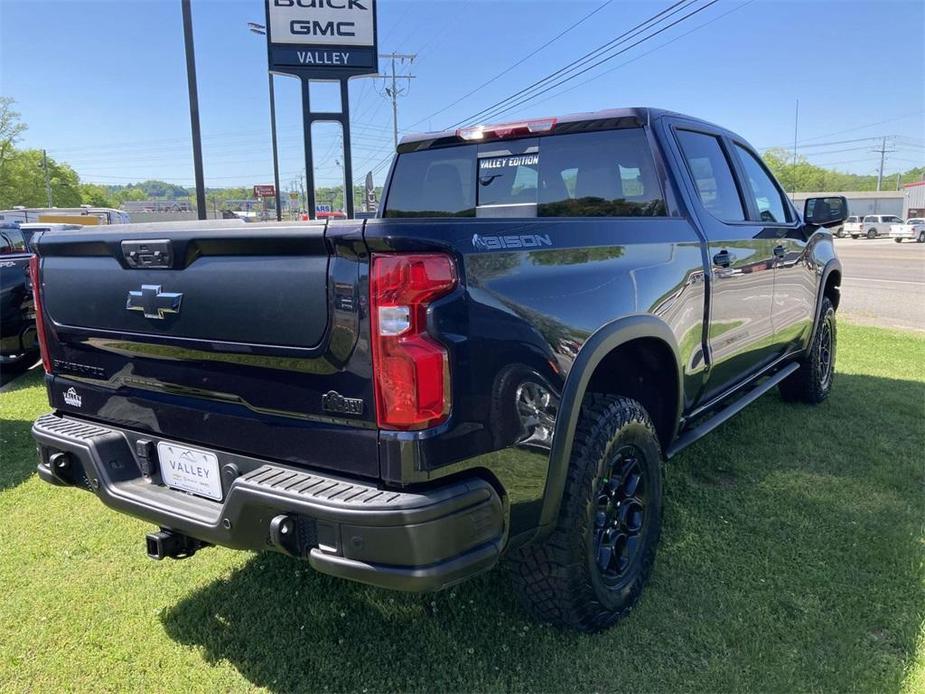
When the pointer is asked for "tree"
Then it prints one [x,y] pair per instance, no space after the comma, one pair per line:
[10,128]
[23,181]
[96,195]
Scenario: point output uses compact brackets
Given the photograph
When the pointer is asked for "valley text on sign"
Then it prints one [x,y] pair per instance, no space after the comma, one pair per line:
[322,37]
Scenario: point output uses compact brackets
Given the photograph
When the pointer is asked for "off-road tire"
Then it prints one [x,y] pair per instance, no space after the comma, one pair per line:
[812,382]
[558,579]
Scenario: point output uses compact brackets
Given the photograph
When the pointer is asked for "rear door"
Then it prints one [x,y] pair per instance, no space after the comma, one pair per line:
[240,336]
[740,335]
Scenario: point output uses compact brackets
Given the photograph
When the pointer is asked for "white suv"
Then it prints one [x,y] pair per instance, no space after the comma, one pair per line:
[875,225]
[913,229]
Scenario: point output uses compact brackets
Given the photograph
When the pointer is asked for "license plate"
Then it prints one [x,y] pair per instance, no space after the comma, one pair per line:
[190,470]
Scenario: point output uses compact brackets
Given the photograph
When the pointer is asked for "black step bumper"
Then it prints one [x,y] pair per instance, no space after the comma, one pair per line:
[418,541]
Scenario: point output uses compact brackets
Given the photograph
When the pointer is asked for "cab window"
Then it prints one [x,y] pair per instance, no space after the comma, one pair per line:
[11,241]
[768,198]
[712,175]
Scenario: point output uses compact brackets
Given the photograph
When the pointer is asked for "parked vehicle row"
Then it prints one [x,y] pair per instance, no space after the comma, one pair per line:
[871,226]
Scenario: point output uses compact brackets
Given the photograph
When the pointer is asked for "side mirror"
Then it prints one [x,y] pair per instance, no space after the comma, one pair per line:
[825,212]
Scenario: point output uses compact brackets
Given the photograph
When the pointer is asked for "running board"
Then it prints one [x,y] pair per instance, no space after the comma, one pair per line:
[701,430]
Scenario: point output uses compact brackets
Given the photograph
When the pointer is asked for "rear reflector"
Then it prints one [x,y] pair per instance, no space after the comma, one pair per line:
[34,275]
[487,132]
[410,368]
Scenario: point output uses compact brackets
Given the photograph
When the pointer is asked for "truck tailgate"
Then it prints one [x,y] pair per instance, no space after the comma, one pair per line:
[240,336]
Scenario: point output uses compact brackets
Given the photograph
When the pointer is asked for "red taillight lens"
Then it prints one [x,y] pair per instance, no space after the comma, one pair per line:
[411,369]
[34,274]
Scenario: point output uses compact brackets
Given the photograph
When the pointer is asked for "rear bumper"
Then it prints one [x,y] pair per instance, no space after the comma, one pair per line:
[417,541]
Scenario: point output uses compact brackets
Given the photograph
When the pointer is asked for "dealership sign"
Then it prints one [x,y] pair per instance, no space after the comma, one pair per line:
[264,191]
[322,38]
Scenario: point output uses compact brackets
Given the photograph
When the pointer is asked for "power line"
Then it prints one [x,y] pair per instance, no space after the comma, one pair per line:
[517,64]
[543,85]
[644,53]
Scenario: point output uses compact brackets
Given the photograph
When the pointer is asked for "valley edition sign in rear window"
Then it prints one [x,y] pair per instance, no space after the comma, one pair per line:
[322,38]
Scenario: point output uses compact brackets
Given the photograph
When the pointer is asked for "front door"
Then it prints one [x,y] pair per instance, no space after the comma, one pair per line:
[740,335]
[795,278]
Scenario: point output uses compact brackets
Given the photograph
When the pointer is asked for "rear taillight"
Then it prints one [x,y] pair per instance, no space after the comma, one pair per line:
[410,368]
[35,276]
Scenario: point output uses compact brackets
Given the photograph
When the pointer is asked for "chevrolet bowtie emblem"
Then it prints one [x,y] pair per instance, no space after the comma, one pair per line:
[153,302]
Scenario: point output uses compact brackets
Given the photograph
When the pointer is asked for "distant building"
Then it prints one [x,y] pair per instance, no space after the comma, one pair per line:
[156,206]
[913,200]
[862,202]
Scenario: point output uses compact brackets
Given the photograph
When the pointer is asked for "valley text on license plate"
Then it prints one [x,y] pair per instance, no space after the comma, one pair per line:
[190,470]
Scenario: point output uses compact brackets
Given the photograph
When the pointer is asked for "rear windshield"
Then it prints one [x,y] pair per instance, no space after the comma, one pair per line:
[11,241]
[598,174]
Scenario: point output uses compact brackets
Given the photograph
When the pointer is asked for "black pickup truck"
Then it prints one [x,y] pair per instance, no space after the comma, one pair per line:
[18,346]
[495,368]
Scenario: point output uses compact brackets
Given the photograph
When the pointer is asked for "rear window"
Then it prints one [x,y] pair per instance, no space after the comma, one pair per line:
[598,174]
[11,241]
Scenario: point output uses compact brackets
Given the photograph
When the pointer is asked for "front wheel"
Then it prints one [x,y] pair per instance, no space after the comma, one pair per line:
[590,571]
[921,238]
[871,233]
[898,240]
[812,382]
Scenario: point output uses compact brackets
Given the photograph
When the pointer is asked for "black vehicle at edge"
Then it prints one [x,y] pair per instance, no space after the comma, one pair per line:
[497,366]
[18,345]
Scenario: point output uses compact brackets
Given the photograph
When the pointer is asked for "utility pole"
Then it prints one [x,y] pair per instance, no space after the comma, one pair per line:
[883,152]
[394,92]
[261,30]
[796,121]
[194,108]
[47,179]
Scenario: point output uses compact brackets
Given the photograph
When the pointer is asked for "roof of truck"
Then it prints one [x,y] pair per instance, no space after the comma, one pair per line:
[642,114]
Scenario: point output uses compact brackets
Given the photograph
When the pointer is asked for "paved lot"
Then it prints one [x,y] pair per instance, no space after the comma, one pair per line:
[883,283]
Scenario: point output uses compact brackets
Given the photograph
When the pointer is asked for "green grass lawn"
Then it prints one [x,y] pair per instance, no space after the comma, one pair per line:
[792,559]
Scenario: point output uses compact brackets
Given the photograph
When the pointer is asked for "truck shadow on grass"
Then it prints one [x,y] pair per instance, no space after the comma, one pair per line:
[790,560]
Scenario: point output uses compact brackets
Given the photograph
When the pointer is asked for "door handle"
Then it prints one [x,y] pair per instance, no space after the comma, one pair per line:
[779,251]
[722,259]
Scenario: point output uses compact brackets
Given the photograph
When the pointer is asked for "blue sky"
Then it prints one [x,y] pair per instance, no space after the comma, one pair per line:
[102,85]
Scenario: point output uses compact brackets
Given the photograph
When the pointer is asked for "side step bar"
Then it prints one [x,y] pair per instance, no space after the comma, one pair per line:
[705,427]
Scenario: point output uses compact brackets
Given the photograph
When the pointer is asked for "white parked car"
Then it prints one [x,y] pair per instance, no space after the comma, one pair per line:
[852,227]
[911,229]
[874,225]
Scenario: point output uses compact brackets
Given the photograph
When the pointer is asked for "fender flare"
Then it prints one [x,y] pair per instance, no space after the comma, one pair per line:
[833,264]
[595,348]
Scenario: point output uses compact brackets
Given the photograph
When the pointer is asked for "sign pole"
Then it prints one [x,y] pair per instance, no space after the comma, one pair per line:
[194,109]
[279,209]
[309,162]
[323,41]
[348,160]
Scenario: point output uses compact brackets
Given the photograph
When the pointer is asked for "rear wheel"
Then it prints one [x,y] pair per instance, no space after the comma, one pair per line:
[871,233]
[812,382]
[591,569]
[898,240]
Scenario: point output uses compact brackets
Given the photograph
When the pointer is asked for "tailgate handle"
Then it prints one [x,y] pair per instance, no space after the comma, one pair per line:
[148,254]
